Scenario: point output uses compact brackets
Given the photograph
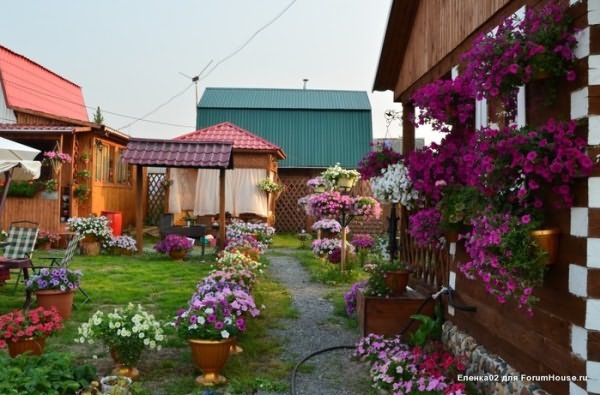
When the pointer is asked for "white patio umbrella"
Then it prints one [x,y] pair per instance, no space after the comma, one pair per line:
[16,162]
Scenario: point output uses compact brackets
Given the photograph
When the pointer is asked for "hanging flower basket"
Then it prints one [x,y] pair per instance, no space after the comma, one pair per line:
[547,240]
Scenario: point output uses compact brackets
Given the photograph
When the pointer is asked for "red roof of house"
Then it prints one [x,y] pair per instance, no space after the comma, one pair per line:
[28,85]
[242,139]
[170,153]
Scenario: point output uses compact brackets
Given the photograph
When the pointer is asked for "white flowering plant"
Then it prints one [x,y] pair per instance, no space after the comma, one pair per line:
[126,331]
[332,175]
[395,186]
[91,226]
[127,243]
[261,231]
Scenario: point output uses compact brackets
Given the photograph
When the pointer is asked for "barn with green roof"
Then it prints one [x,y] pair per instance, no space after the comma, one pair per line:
[316,128]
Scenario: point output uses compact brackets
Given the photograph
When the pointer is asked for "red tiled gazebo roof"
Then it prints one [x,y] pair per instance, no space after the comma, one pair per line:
[243,140]
[170,153]
[30,86]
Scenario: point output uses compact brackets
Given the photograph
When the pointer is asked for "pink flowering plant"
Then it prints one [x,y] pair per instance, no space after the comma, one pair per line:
[56,156]
[504,257]
[424,226]
[217,311]
[330,225]
[377,160]
[501,61]
[445,104]
[243,277]
[324,247]
[329,204]
[367,207]
[174,243]
[524,164]
[397,368]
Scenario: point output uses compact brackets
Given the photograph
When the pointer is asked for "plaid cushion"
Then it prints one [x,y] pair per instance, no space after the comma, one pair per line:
[70,251]
[21,242]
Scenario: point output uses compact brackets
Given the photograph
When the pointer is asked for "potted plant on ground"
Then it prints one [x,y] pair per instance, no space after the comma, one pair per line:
[115,385]
[126,332]
[210,323]
[94,229]
[45,239]
[122,245]
[175,246]
[26,331]
[55,287]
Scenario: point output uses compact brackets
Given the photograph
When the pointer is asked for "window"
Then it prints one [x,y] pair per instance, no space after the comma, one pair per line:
[110,168]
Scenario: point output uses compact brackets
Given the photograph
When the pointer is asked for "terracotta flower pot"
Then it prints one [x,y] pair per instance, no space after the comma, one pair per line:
[44,245]
[396,281]
[62,300]
[177,255]
[91,248]
[547,240]
[122,370]
[210,356]
[35,345]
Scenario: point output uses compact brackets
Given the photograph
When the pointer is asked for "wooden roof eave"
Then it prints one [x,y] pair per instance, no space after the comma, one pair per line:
[399,27]
[278,153]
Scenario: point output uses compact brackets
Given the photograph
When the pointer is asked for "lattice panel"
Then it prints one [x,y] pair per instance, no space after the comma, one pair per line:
[156,198]
[289,216]
[430,265]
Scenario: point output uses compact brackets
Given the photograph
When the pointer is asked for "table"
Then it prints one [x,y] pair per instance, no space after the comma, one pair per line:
[23,264]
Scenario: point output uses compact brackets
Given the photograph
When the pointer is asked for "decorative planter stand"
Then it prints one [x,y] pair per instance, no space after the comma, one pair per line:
[210,356]
[388,316]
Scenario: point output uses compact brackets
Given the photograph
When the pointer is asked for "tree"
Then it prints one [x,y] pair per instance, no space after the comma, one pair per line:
[98,118]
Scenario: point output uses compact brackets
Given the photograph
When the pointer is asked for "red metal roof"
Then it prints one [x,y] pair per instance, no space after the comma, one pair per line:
[170,153]
[242,138]
[29,85]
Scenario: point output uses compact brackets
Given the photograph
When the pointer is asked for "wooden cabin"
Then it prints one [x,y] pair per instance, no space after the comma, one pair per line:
[423,42]
[43,110]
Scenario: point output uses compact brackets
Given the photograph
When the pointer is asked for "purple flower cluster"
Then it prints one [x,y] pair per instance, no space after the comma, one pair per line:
[443,103]
[329,204]
[55,156]
[60,279]
[350,296]
[330,225]
[504,257]
[174,243]
[520,162]
[397,368]
[363,241]
[499,62]
[424,226]
[367,207]
[244,242]
[377,160]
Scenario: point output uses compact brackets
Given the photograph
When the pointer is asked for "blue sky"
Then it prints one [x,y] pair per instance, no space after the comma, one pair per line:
[127,55]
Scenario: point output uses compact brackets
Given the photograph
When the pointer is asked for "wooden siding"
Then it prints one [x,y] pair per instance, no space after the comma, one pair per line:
[43,211]
[439,27]
[249,160]
[541,344]
[115,198]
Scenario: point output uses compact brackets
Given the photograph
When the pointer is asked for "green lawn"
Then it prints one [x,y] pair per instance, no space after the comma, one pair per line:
[163,286]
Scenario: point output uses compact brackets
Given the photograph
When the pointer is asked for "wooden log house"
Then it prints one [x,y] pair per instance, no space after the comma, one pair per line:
[41,109]
[423,42]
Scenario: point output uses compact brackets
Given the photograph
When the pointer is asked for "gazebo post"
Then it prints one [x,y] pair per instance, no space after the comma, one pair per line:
[221,209]
[139,211]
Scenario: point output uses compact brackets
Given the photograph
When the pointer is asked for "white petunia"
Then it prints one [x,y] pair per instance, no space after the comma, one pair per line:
[224,334]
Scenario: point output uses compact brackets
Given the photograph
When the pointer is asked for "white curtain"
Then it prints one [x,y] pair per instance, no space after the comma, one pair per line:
[241,192]
[182,192]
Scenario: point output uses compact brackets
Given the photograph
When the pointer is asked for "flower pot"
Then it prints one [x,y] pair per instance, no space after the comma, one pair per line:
[43,245]
[345,182]
[62,300]
[89,238]
[50,195]
[109,385]
[319,189]
[547,240]
[120,369]
[396,281]
[327,234]
[451,236]
[90,248]
[177,255]
[35,345]
[235,348]
[210,356]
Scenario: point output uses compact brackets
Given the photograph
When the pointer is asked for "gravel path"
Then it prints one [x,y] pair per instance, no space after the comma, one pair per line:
[332,373]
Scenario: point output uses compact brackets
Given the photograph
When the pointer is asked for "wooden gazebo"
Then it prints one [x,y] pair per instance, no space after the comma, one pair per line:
[179,154]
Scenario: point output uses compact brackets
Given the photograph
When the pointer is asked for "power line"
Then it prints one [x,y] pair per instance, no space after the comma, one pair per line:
[266,25]
[43,94]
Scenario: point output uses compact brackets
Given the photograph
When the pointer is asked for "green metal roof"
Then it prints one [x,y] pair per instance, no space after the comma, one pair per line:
[284,99]
[312,137]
